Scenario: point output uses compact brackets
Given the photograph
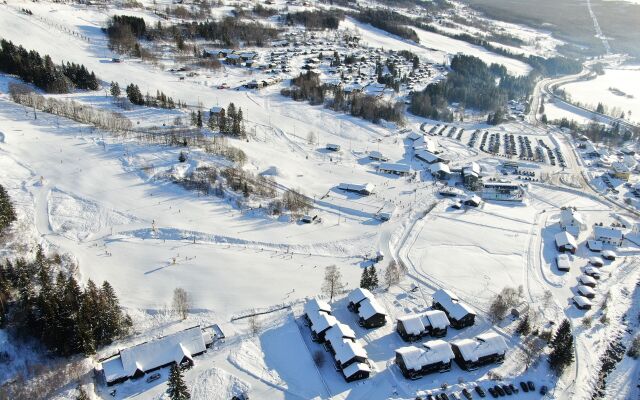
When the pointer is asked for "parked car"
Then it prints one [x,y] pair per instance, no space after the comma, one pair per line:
[153,377]
[507,390]
[531,386]
[524,387]
[543,390]
[466,393]
[444,396]
[499,390]
[456,396]
[514,388]
[493,392]
[480,391]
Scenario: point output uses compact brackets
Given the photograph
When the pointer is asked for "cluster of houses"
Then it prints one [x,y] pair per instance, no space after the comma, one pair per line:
[620,165]
[572,223]
[178,348]
[350,358]
[436,355]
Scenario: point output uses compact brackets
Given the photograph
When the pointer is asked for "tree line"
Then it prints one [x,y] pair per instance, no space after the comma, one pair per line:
[315,20]
[307,86]
[31,67]
[7,212]
[389,21]
[229,121]
[54,309]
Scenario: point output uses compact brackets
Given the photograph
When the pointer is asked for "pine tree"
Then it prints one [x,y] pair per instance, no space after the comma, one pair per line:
[561,355]
[373,278]
[114,90]
[177,389]
[365,279]
[199,119]
[524,327]
[222,121]
[7,212]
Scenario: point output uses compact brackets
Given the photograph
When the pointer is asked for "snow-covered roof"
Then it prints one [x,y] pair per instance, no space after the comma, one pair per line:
[414,135]
[473,167]
[452,304]
[426,156]
[359,294]
[315,305]
[417,323]
[157,352]
[565,239]
[395,167]
[480,346]
[355,368]
[595,245]
[216,109]
[607,233]
[370,307]
[563,261]
[586,290]
[440,167]
[582,301]
[364,188]
[586,279]
[474,198]
[376,155]
[346,350]
[432,352]
[569,217]
[321,321]
[339,331]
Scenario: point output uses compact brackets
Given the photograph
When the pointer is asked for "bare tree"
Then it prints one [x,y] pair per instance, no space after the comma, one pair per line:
[392,274]
[531,350]
[255,326]
[332,282]
[181,302]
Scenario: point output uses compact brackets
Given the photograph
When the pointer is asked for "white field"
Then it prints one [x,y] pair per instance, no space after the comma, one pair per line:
[625,79]
[98,197]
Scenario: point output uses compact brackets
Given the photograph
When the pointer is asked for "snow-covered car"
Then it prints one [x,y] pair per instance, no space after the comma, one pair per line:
[153,377]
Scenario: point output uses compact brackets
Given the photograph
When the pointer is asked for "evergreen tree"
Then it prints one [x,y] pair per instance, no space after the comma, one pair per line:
[199,119]
[524,327]
[222,121]
[365,280]
[7,212]
[561,355]
[177,389]
[373,278]
[115,90]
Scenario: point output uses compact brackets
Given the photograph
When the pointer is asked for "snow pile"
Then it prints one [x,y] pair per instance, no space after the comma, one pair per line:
[216,384]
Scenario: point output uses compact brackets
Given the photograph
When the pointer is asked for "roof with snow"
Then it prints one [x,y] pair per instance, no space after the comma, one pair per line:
[359,294]
[586,279]
[565,239]
[155,353]
[414,135]
[355,368]
[376,155]
[594,245]
[482,345]
[582,301]
[473,167]
[569,217]
[370,307]
[353,187]
[316,305]
[417,323]
[586,290]
[440,167]
[321,321]
[394,167]
[426,156]
[339,331]
[347,350]
[452,304]
[432,352]
[607,233]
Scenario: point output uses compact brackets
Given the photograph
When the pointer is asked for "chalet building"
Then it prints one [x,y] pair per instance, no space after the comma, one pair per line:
[582,303]
[356,297]
[587,280]
[586,291]
[395,169]
[350,357]
[472,200]
[414,327]
[620,170]
[440,171]
[563,262]
[371,314]
[377,156]
[572,221]
[459,314]
[612,236]
[365,189]
[233,59]
[427,156]
[338,333]
[356,371]
[471,176]
[565,242]
[415,362]
[484,349]
[178,348]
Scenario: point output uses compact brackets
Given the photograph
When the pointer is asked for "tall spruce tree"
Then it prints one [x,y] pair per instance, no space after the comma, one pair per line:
[7,212]
[561,355]
[176,388]
[373,278]
[365,280]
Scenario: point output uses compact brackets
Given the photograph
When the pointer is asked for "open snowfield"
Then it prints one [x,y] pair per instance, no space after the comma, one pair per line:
[626,99]
[109,201]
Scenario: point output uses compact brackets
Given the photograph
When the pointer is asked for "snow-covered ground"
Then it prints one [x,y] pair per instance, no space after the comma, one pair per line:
[105,200]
